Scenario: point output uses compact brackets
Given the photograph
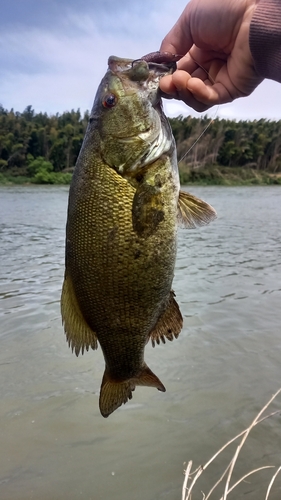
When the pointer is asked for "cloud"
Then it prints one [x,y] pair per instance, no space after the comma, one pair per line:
[262,103]
[53,54]
[59,68]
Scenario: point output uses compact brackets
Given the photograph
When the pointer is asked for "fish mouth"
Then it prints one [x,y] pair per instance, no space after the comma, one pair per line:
[116,64]
[153,65]
[165,61]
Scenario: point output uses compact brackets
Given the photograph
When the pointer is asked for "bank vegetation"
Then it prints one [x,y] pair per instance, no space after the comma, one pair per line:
[41,148]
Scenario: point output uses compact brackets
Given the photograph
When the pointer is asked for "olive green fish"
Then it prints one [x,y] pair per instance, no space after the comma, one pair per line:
[124,209]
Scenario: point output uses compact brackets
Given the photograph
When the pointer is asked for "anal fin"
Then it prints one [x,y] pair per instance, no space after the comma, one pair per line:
[169,324]
[78,333]
[193,212]
[114,393]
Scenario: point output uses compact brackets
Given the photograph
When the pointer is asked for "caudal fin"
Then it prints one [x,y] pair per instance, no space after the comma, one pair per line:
[115,393]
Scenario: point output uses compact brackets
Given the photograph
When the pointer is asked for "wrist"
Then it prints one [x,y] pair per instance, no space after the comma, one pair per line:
[265,39]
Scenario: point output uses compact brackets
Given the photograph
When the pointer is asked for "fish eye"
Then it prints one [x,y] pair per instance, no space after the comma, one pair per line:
[109,101]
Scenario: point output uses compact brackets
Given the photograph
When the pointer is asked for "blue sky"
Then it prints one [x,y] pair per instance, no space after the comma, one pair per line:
[53,53]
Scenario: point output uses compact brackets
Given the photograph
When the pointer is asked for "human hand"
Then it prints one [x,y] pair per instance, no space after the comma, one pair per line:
[217,65]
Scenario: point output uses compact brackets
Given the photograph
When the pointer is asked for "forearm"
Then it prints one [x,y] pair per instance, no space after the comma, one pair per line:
[265,39]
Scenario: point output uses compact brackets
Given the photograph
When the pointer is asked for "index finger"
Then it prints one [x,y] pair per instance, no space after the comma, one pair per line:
[179,39]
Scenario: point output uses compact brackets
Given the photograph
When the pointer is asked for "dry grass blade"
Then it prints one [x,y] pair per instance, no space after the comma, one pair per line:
[187,489]
[249,474]
[218,481]
[204,467]
[239,447]
[271,482]
[186,477]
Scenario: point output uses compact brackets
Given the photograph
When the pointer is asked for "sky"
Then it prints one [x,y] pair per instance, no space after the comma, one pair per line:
[53,54]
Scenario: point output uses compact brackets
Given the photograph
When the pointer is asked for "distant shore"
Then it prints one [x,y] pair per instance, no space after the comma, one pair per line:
[207,176]
[40,149]
[228,176]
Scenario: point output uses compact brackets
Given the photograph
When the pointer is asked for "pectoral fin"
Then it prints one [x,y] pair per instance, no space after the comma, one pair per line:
[193,212]
[114,393]
[169,324]
[78,333]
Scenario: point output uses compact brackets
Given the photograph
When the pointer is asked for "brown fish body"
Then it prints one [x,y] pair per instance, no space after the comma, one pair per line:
[121,233]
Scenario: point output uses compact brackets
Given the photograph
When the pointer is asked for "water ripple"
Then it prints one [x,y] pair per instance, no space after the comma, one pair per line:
[218,373]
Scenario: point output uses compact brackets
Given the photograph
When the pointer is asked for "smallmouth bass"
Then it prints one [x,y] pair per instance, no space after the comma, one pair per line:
[124,207]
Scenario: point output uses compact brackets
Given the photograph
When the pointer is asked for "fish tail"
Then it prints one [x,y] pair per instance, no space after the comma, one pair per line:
[115,393]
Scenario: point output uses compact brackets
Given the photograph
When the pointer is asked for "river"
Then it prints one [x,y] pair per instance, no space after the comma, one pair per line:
[225,365]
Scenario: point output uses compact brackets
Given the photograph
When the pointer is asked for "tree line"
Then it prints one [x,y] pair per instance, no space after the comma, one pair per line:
[45,148]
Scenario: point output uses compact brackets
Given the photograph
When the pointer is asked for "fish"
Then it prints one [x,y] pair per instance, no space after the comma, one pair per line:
[124,209]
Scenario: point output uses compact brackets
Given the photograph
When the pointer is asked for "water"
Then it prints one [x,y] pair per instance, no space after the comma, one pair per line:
[225,365]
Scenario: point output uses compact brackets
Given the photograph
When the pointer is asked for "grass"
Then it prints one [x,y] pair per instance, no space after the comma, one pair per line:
[191,477]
